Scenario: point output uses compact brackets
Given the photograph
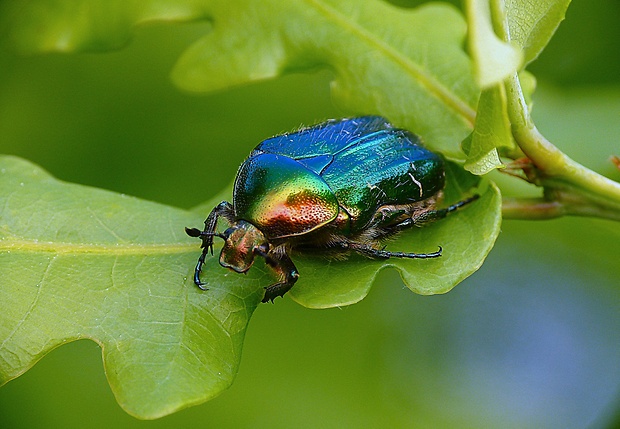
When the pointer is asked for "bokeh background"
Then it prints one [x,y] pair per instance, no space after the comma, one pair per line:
[530,340]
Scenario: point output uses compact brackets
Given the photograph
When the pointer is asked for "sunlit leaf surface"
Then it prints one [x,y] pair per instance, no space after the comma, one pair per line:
[85,263]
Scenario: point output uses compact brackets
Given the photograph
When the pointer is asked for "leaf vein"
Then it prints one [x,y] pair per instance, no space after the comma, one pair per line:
[33,304]
[432,85]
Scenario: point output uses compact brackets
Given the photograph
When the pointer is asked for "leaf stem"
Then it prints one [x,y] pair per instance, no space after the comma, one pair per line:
[569,187]
[530,208]
[545,208]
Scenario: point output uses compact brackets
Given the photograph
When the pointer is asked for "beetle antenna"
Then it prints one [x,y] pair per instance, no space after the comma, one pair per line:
[214,234]
[195,232]
[192,232]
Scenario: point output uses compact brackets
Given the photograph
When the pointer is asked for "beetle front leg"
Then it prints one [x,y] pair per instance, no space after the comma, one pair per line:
[224,209]
[198,269]
[286,269]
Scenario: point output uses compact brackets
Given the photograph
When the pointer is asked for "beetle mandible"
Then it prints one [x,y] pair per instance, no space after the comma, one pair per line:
[342,185]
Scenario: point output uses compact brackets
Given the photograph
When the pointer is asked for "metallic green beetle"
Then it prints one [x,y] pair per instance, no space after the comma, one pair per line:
[342,185]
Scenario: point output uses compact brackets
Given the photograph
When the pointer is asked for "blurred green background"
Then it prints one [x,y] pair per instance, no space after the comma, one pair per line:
[530,340]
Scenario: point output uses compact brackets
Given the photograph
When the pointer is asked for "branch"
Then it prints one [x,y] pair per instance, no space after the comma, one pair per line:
[569,187]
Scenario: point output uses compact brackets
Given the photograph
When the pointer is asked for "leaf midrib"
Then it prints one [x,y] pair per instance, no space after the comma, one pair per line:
[37,246]
[433,86]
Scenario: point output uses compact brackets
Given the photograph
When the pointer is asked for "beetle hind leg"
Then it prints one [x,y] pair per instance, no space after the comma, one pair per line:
[371,252]
[419,218]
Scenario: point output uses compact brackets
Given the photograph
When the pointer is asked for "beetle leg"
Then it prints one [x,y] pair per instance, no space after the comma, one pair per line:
[416,220]
[198,269]
[370,251]
[285,267]
[224,209]
[433,215]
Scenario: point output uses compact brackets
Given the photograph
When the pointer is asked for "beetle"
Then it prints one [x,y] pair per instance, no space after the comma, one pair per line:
[340,186]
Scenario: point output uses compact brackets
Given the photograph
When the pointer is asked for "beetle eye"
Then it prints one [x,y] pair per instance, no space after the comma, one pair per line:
[226,234]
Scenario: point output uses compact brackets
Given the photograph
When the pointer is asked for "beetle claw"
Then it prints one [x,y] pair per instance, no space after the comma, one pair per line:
[201,286]
[274,291]
[270,294]
[193,232]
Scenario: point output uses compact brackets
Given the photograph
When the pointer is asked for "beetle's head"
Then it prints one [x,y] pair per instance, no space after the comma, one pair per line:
[240,242]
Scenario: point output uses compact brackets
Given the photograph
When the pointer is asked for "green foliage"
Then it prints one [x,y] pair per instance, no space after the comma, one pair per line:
[85,25]
[531,24]
[386,60]
[79,262]
[85,263]
[524,30]
[494,59]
